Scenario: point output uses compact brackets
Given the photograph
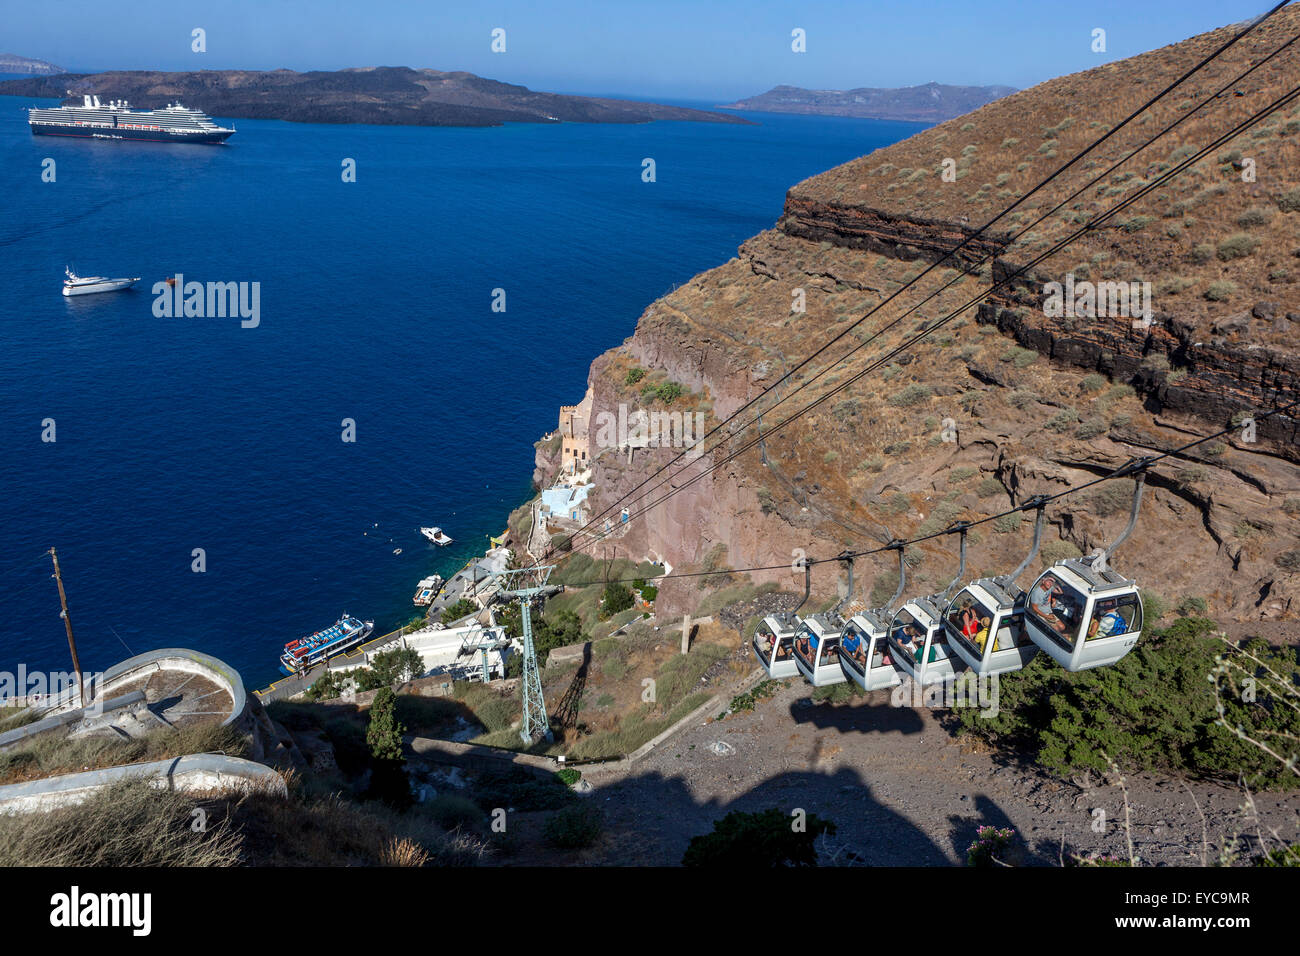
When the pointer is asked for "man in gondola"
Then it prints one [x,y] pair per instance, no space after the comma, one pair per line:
[1043,600]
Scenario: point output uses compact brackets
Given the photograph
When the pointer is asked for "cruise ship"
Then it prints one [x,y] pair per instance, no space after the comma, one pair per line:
[116,120]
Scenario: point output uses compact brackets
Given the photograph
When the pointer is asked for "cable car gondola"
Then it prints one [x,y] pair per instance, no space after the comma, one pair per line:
[1080,611]
[817,649]
[864,651]
[918,643]
[773,645]
[985,621]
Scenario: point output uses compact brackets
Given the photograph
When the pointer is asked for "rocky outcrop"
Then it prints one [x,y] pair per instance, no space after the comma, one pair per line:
[1218,381]
[896,236]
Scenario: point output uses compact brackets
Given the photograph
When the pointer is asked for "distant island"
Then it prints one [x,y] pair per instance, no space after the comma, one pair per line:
[10,63]
[379,95]
[930,103]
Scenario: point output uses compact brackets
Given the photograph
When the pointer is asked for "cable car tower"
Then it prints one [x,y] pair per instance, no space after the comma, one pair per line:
[528,584]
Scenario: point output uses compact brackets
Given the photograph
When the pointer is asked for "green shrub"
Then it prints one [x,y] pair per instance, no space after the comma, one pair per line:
[1237,246]
[1290,201]
[761,691]
[1289,560]
[1063,420]
[913,394]
[634,375]
[990,844]
[568,776]
[744,842]
[458,610]
[1191,606]
[1022,398]
[1091,428]
[617,597]
[1154,711]
[1059,550]
[988,487]
[1092,383]
[1154,607]
[574,828]
[451,810]
[384,732]
[1221,291]
[1282,856]
[1007,524]
[1256,216]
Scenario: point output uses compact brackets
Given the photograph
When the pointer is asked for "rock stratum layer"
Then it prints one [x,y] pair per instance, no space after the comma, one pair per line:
[1003,402]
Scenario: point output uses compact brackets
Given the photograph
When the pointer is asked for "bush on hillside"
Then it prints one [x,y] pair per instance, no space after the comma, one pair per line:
[1154,710]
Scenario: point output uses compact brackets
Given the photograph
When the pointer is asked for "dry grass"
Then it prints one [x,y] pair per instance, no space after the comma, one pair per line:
[133,824]
[129,824]
[50,754]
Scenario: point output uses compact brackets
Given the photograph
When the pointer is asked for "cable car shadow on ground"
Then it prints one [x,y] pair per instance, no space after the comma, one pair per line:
[874,714]
[651,818]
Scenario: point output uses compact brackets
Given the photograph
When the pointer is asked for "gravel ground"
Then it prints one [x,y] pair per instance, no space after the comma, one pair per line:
[904,792]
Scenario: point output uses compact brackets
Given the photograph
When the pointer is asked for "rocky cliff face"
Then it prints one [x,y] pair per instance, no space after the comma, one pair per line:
[1003,402]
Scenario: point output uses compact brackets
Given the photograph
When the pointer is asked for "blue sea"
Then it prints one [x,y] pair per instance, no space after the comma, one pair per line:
[176,434]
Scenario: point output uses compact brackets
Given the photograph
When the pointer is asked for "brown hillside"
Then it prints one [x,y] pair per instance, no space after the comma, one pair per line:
[1221,524]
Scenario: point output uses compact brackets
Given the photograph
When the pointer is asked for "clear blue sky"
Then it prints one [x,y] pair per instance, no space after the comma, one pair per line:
[657,48]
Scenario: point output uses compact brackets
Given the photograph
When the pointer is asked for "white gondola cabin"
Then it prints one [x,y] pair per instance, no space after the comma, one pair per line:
[817,649]
[773,645]
[918,644]
[984,624]
[1083,616]
[864,651]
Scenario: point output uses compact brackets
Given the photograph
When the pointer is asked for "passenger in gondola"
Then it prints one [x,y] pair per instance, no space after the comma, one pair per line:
[969,621]
[982,635]
[1106,620]
[907,638]
[1044,601]
[852,643]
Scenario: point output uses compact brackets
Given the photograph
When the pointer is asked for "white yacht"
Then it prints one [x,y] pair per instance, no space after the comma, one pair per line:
[85,285]
[436,535]
[427,590]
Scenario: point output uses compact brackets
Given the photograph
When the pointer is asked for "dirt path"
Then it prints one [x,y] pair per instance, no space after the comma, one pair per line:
[902,791]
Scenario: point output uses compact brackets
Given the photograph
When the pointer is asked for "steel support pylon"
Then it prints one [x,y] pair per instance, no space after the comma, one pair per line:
[535,722]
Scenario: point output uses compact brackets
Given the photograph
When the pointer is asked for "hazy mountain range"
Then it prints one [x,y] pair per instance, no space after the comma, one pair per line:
[931,103]
[385,95]
[9,63]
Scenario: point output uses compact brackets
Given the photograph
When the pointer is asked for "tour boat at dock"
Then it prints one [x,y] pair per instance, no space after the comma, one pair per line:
[306,652]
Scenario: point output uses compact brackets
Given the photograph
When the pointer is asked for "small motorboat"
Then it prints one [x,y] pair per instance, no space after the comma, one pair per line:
[437,536]
[85,285]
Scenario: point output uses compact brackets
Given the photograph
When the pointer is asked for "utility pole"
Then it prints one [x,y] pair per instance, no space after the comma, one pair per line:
[67,623]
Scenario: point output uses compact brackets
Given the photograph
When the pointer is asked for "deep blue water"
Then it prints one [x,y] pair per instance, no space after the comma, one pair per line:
[183,433]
